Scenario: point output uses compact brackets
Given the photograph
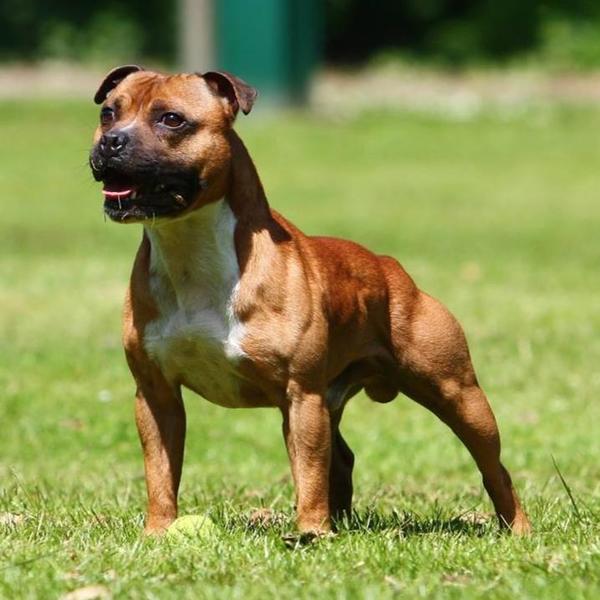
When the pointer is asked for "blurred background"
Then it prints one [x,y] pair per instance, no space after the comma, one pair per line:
[459,136]
[280,45]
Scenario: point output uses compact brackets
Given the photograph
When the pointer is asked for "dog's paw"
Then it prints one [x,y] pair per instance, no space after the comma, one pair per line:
[520,526]
[297,540]
[263,518]
[157,527]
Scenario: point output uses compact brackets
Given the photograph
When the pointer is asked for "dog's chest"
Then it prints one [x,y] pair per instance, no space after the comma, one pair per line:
[196,340]
[200,350]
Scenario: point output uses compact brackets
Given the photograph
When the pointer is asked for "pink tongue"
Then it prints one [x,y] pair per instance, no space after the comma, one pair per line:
[116,192]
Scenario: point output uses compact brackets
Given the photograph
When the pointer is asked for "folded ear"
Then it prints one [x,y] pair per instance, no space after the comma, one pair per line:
[112,80]
[237,92]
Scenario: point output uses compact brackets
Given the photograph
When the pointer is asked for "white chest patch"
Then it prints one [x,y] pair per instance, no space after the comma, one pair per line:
[194,277]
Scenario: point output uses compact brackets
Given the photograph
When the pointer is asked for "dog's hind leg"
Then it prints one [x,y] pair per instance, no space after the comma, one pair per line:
[340,472]
[437,373]
[466,411]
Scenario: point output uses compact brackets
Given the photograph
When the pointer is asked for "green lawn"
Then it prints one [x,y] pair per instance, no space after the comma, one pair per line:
[498,216]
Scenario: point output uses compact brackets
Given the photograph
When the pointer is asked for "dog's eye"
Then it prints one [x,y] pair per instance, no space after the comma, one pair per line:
[107,116]
[172,120]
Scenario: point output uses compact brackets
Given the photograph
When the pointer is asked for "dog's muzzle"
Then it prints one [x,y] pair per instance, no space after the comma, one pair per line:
[137,191]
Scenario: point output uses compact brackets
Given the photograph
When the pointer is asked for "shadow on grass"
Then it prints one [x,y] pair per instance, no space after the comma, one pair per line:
[368,522]
[400,525]
[409,524]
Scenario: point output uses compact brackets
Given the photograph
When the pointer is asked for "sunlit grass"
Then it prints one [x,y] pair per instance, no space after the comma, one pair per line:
[498,216]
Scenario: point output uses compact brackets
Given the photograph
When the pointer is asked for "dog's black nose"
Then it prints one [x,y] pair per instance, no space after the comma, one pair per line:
[112,144]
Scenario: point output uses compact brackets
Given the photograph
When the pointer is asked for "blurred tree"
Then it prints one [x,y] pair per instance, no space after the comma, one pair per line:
[72,29]
[451,30]
[507,27]
[447,31]
[458,31]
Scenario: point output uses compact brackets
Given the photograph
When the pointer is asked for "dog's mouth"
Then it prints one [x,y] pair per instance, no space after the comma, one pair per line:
[128,198]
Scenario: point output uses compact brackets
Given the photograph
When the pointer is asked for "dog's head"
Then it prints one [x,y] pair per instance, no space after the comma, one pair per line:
[161,147]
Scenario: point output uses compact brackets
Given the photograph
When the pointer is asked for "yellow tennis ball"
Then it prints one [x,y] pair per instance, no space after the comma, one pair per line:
[192,526]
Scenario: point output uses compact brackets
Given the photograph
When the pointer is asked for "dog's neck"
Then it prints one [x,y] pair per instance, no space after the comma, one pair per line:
[196,256]
[198,253]
[200,248]
[245,192]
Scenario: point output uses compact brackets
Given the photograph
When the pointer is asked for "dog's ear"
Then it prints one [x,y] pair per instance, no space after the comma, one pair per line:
[237,92]
[113,79]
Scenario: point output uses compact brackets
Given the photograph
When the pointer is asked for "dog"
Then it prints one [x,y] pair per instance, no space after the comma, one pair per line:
[229,299]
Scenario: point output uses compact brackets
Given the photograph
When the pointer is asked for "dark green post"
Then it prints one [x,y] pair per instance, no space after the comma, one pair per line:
[273,44]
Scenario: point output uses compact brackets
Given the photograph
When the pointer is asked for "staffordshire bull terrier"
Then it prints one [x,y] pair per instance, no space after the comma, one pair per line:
[229,299]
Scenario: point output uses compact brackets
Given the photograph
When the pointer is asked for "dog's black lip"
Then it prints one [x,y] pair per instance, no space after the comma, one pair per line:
[159,190]
[155,195]
[128,209]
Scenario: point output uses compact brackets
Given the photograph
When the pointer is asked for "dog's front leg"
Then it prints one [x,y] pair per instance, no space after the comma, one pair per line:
[308,438]
[160,419]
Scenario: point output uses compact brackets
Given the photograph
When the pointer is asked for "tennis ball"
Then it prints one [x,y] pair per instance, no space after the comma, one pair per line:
[192,526]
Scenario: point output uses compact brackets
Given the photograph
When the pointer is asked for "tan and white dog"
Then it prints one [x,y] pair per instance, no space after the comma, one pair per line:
[232,301]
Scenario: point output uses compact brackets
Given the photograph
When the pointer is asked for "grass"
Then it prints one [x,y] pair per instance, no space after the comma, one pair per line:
[498,216]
